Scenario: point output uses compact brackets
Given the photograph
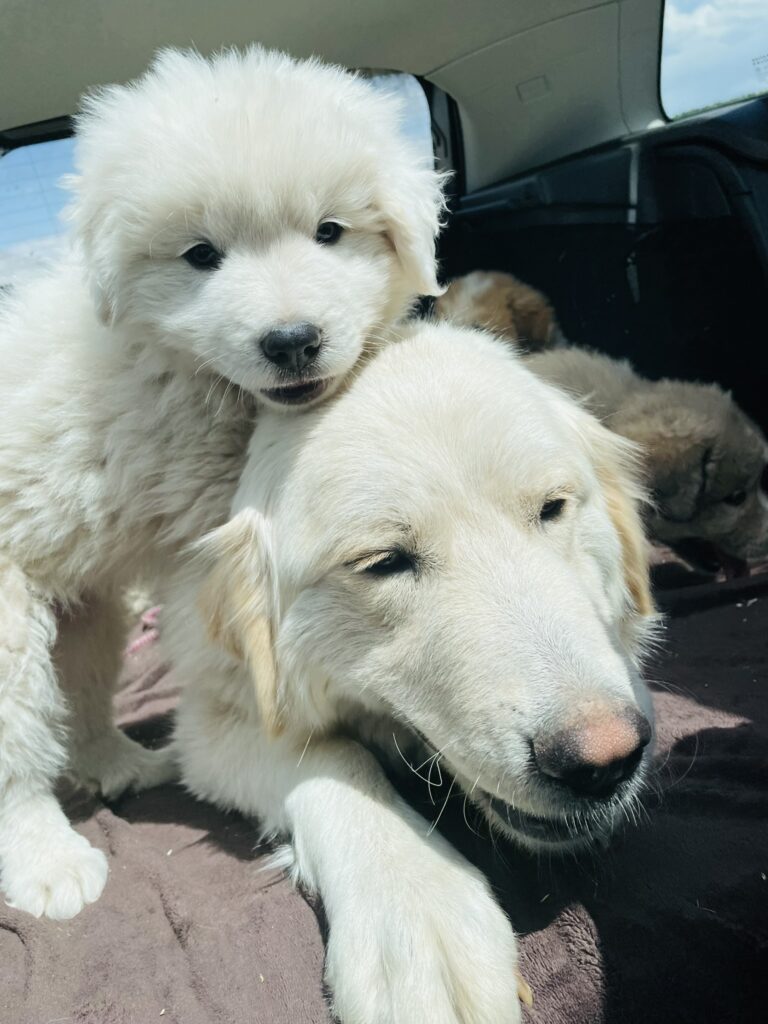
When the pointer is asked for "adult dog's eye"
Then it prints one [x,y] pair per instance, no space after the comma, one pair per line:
[551,509]
[386,563]
[737,498]
[203,256]
[329,232]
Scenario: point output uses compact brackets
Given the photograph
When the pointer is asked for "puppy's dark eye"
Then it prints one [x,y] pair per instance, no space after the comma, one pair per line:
[329,232]
[387,563]
[203,256]
[737,498]
[551,509]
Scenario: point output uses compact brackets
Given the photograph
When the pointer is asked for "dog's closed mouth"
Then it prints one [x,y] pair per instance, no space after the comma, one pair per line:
[296,394]
[542,830]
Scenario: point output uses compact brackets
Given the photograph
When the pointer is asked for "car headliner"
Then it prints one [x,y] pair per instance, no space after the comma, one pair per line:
[534,80]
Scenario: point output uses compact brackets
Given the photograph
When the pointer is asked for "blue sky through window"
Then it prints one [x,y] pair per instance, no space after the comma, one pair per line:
[713,51]
[31,200]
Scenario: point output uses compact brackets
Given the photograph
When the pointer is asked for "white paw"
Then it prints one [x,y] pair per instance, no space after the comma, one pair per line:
[427,944]
[56,877]
[114,762]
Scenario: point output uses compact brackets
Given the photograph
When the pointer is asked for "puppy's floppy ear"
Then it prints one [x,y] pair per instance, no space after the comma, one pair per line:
[533,316]
[679,473]
[238,603]
[98,190]
[104,295]
[678,447]
[412,203]
[94,224]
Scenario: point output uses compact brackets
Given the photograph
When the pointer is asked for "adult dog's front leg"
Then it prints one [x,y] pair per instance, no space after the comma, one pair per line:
[415,934]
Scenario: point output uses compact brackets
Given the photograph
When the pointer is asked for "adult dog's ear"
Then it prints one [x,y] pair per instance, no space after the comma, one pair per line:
[238,603]
[412,203]
[617,466]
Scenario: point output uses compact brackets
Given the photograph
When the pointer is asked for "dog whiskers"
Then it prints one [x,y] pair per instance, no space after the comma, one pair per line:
[436,822]
[306,747]
[464,816]
[204,364]
[227,389]
[435,763]
[672,688]
[497,854]
[686,773]
[500,783]
[214,384]
[417,771]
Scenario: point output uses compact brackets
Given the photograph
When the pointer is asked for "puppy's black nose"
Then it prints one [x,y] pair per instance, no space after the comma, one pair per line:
[291,346]
[596,754]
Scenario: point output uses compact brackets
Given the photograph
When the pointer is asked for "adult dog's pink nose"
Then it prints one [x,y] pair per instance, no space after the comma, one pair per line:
[600,750]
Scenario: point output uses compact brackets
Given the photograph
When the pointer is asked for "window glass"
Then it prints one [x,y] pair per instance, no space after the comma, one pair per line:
[713,52]
[31,201]
[417,124]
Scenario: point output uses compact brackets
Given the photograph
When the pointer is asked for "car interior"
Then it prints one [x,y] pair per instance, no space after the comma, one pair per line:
[649,236]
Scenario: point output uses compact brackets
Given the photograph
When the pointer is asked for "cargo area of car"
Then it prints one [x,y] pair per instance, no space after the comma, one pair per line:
[654,248]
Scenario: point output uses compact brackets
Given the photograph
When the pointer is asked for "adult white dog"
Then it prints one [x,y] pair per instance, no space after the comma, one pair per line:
[246,227]
[451,549]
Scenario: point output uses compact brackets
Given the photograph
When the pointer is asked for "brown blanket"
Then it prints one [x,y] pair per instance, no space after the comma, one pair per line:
[670,925]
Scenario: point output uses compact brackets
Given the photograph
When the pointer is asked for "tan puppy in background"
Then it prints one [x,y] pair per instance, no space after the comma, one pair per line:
[501,303]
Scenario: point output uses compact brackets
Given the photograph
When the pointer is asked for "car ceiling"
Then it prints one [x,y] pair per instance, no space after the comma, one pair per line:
[534,80]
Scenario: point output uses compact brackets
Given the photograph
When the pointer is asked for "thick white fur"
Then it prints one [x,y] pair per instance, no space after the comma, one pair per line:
[128,382]
[446,446]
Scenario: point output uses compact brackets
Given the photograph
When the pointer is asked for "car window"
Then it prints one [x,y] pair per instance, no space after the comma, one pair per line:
[31,202]
[713,52]
[417,123]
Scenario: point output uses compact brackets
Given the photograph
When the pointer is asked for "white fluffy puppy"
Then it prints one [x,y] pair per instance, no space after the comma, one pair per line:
[245,228]
[451,548]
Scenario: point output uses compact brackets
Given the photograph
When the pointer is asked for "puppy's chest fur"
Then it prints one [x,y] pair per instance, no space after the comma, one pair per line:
[140,458]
